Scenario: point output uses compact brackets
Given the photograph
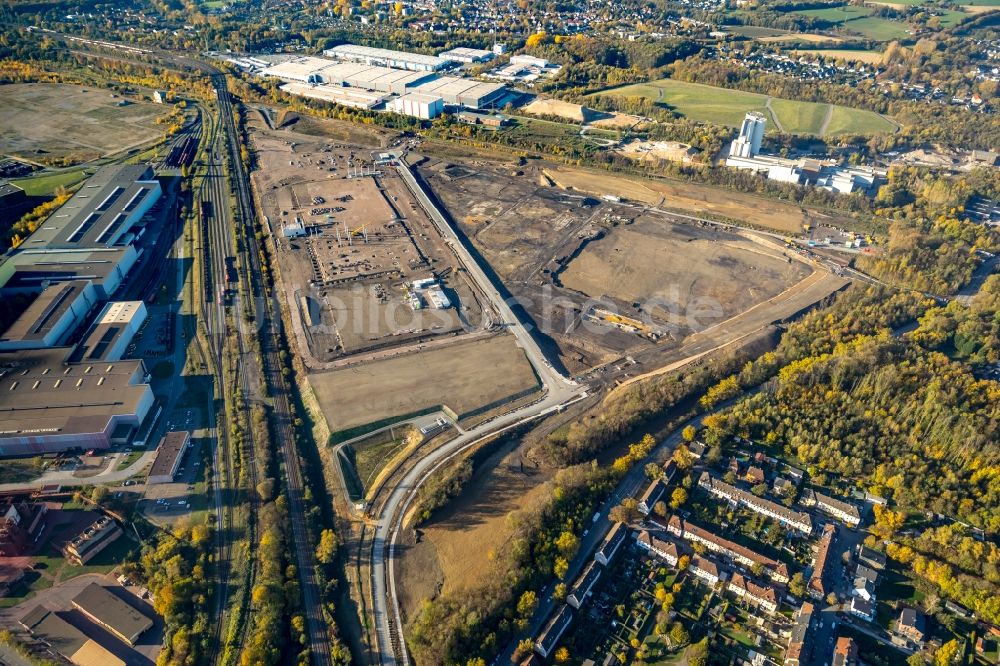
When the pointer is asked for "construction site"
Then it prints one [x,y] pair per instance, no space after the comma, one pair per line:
[374,290]
[604,279]
[364,269]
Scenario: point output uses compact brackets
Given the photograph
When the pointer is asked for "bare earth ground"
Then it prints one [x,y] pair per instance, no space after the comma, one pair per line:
[687,197]
[457,548]
[580,114]
[801,37]
[654,151]
[465,376]
[54,119]
[675,264]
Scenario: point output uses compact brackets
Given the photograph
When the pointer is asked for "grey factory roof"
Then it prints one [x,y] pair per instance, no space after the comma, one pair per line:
[30,269]
[113,322]
[357,51]
[45,311]
[94,216]
[41,394]
[170,450]
[105,607]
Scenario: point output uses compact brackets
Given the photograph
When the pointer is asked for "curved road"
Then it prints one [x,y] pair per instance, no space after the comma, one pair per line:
[558,392]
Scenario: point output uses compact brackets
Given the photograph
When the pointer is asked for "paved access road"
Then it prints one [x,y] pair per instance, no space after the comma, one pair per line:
[558,392]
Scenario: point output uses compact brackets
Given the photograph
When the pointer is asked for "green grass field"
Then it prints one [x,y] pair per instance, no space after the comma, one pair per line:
[877,28]
[982,3]
[852,121]
[723,106]
[800,118]
[46,184]
[837,14]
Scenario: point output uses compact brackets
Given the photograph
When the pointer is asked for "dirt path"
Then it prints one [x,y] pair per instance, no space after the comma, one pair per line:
[826,120]
[774,116]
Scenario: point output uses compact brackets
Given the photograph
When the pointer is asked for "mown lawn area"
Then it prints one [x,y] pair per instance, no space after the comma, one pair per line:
[44,185]
[800,117]
[878,29]
[852,121]
[837,14]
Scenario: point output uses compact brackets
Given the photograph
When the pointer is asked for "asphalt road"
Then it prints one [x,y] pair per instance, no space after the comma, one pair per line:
[558,392]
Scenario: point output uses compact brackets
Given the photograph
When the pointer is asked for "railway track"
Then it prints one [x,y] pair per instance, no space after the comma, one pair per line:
[277,387]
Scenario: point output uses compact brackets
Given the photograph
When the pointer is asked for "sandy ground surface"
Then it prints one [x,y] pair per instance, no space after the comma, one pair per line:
[465,376]
[457,548]
[688,197]
[576,113]
[52,119]
[678,267]
[801,37]
[654,151]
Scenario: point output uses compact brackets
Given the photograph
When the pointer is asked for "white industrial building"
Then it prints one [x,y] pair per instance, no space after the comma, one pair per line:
[429,292]
[351,97]
[744,153]
[294,229]
[415,62]
[49,319]
[419,105]
[112,332]
[467,55]
[456,91]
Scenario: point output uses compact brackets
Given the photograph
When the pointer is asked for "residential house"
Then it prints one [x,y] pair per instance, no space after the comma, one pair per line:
[583,585]
[612,542]
[758,595]
[776,571]
[911,625]
[797,520]
[799,646]
[665,550]
[862,608]
[846,652]
[652,495]
[871,557]
[706,569]
[817,588]
[839,509]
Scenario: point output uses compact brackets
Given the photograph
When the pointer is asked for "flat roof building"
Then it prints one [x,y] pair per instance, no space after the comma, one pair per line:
[85,546]
[53,314]
[111,612]
[168,456]
[66,640]
[110,335]
[49,405]
[388,58]
[28,271]
[467,55]
[456,91]
[419,105]
[350,97]
[108,204]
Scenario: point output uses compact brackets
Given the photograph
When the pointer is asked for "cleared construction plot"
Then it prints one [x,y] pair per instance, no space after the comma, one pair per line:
[603,280]
[577,113]
[351,248]
[52,121]
[468,376]
[723,106]
[688,198]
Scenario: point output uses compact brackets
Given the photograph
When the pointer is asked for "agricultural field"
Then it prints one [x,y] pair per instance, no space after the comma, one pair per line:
[462,375]
[855,55]
[801,37]
[728,107]
[44,122]
[848,121]
[858,20]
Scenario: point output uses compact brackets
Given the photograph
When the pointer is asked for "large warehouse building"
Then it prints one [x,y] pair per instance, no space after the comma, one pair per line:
[54,313]
[110,203]
[367,77]
[111,333]
[368,55]
[49,404]
[356,99]
[462,92]
[418,105]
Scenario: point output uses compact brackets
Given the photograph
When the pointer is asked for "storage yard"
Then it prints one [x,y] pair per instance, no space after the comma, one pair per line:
[605,280]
